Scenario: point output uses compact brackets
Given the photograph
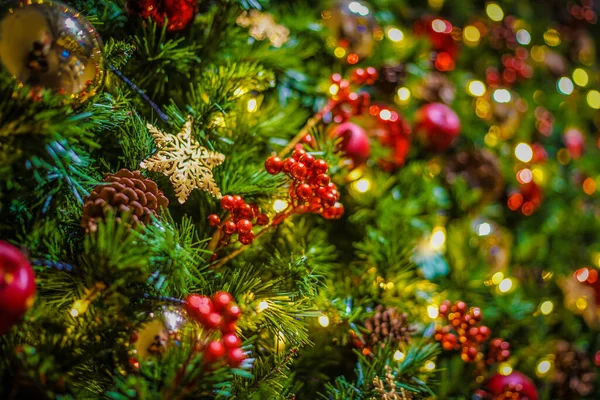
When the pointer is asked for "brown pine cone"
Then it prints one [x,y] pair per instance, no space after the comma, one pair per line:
[387,325]
[435,87]
[574,372]
[479,168]
[125,192]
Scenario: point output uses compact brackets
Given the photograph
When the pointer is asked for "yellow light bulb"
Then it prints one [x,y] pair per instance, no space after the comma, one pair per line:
[497,278]
[580,77]
[324,320]
[252,105]
[279,205]
[395,34]
[399,356]
[429,366]
[524,152]
[79,307]
[543,368]
[403,94]
[476,88]
[471,35]
[546,307]
[432,311]
[494,11]
[334,89]
[362,185]
[593,99]
[505,369]
[581,303]
[438,238]
[505,285]
[339,52]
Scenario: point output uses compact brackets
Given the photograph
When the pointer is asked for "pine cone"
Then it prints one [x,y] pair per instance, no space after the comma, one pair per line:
[574,373]
[387,325]
[479,168]
[126,192]
[435,88]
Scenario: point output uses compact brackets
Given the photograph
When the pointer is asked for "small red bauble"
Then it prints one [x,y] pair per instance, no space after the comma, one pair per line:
[298,170]
[307,160]
[231,341]
[230,227]
[320,167]
[214,351]
[355,142]
[235,357]
[228,327]
[498,384]
[322,180]
[227,202]
[237,201]
[298,153]
[214,220]
[273,165]
[244,226]
[178,12]
[288,163]
[304,191]
[232,312]
[437,125]
[221,300]
[246,238]
[17,286]
[245,211]
[213,321]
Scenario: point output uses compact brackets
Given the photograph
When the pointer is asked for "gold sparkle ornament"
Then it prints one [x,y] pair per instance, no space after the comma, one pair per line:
[188,164]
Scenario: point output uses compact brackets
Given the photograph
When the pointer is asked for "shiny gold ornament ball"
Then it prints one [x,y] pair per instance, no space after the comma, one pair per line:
[48,44]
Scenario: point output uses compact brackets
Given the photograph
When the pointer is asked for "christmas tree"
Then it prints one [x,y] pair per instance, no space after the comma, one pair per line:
[255,199]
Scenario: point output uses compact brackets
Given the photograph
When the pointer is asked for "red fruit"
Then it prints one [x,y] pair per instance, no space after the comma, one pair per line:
[262,220]
[233,312]
[304,191]
[227,202]
[329,200]
[214,220]
[298,171]
[273,165]
[449,341]
[437,125]
[235,357]
[237,201]
[498,384]
[540,154]
[245,211]
[575,142]
[228,327]
[322,191]
[476,314]
[307,160]
[354,141]
[179,13]
[231,341]
[461,306]
[198,307]
[322,180]
[320,167]
[287,164]
[214,351]
[221,300]
[372,75]
[230,227]
[485,332]
[246,238]
[298,153]
[213,321]
[17,286]
[244,226]
[336,78]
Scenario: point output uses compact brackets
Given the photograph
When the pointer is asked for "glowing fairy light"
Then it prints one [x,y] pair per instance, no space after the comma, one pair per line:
[403,94]
[524,152]
[385,115]
[476,88]
[494,11]
[362,185]
[432,311]
[593,99]
[324,321]
[399,356]
[279,205]
[502,96]
[580,77]
[543,368]
[438,238]
[565,85]
[252,105]
[484,229]
[505,369]
[395,34]
[523,37]
[546,307]
[262,306]
[505,285]
[497,278]
[429,366]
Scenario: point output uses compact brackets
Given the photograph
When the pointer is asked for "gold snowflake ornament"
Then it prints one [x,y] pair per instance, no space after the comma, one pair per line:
[188,164]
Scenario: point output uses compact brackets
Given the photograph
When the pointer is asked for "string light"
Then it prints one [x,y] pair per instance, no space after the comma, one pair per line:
[502,95]
[505,285]
[262,306]
[497,278]
[589,186]
[523,37]
[324,321]
[438,238]
[385,115]
[580,77]
[403,95]
[552,37]
[395,34]
[334,89]
[279,205]
[524,152]
[581,303]
[484,229]
[505,369]
[593,99]
[432,311]
[399,356]
[543,368]
[429,366]
[79,307]
[565,85]
[252,105]
[494,11]
[362,185]
[471,35]
[339,52]
[476,88]
[546,307]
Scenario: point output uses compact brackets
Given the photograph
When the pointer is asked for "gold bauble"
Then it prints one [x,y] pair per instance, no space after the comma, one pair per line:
[48,44]
[352,25]
[161,332]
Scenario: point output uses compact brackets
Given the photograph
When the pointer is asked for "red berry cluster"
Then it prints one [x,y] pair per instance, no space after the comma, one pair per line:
[527,199]
[243,217]
[499,351]
[585,11]
[347,102]
[515,68]
[311,189]
[464,331]
[220,313]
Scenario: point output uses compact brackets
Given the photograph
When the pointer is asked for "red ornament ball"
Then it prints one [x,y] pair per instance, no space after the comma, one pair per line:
[244,226]
[17,286]
[354,143]
[214,220]
[227,202]
[246,238]
[179,13]
[515,382]
[233,312]
[230,227]
[437,125]
[273,165]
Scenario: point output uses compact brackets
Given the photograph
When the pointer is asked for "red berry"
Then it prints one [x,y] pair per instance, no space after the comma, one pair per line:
[322,180]
[372,75]
[298,153]
[238,201]
[228,327]
[221,300]
[227,202]
[235,357]
[359,75]
[485,332]
[262,220]
[329,200]
[230,227]
[231,341]
[232,312]
[322,191]
[307,160]
[214,220]
[298,170]
[246,238]
[245,211]
[198,307]
[287,164]
[336,78]
[461,306]
[244,226]
[214,351]
[304,191]
[475,312]
[320,167]
[273,165]
[214,320]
